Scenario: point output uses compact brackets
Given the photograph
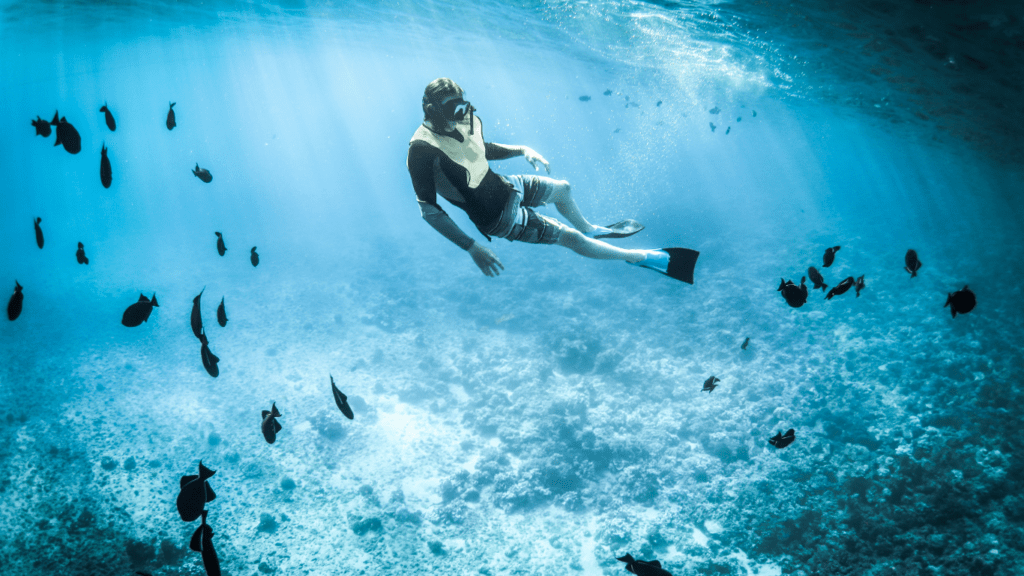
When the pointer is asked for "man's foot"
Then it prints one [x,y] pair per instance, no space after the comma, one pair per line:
[618,230]
[675,263]
[655,260]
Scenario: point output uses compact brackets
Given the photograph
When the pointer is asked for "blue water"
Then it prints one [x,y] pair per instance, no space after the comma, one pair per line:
[549,420]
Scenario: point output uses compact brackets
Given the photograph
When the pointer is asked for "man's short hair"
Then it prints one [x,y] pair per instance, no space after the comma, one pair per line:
[435,92]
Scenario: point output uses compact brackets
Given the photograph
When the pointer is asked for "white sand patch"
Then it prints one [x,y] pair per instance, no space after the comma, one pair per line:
[699,537]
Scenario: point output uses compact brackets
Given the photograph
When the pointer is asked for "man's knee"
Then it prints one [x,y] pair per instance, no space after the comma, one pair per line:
[572,239]
[560,191]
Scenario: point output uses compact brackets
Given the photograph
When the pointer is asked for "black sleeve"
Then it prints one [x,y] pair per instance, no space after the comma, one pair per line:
[501,151]
[420,162]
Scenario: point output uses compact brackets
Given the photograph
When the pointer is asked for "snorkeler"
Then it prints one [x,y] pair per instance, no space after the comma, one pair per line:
[448,156]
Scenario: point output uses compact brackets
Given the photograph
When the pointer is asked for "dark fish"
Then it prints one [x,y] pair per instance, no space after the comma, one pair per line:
[195,493]
[80,255]
[745,344]
[712,124]
[202,173]
[202,542]
[170,117]
[644,567]
[959,302]
[584,98]
[739,119]
[841,288]
[816,277]
[254,257]
[608,92]
[139,312]
[709,385]
[270,426]
[753,113]
[109,117]
[222,316]
[14,306]
[913,264]
[210,359]
[197,317]
[727,130]
[221,248]
[715,110]
[341,400]
[39,233]
[66,135]
[795,295]
[42,127]
[781,440]
[105,175]
[658,104]
[830,255]
[859,285]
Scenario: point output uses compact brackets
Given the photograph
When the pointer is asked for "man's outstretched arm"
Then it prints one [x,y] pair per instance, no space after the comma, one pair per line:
[504,151]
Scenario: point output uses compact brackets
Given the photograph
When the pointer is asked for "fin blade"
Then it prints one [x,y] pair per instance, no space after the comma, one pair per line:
[681,262]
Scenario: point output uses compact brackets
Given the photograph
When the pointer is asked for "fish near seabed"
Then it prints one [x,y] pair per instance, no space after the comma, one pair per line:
[781,440]
[202,173]
[202,542]
[341,400]
[170,117]
[105,175]
[254,257]
[912,263]
[222,316]
[643,567]
[221,248]
[197,317]
[830,255]
[841,288]
[270,426]
[961,301]
[745,344]
[139,312]
[66,134]
[39,233]
[14,305]
[80,254]
[796,296]
[42,127]
[210,359]
[816,277]
[859,285]
[195,493]
[108,117]
[710,385]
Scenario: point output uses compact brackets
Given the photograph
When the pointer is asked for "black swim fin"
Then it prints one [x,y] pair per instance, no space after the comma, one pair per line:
[681,262]
[622,229]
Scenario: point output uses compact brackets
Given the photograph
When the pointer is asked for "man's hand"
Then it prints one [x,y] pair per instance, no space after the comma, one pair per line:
[485,259]
[532,157]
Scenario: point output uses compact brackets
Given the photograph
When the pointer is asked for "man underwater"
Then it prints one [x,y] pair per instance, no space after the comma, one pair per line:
[448,156]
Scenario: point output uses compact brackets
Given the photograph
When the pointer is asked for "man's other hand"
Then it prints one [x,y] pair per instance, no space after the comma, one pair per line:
[485,259]
[532,157]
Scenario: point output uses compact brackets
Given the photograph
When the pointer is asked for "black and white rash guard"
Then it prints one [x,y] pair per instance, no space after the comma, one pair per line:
[429,166]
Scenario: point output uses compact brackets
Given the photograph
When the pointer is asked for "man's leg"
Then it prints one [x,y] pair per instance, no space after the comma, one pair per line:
[561,197]
[580,244]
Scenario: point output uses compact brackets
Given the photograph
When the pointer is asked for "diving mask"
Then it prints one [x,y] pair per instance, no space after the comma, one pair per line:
[456,110]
